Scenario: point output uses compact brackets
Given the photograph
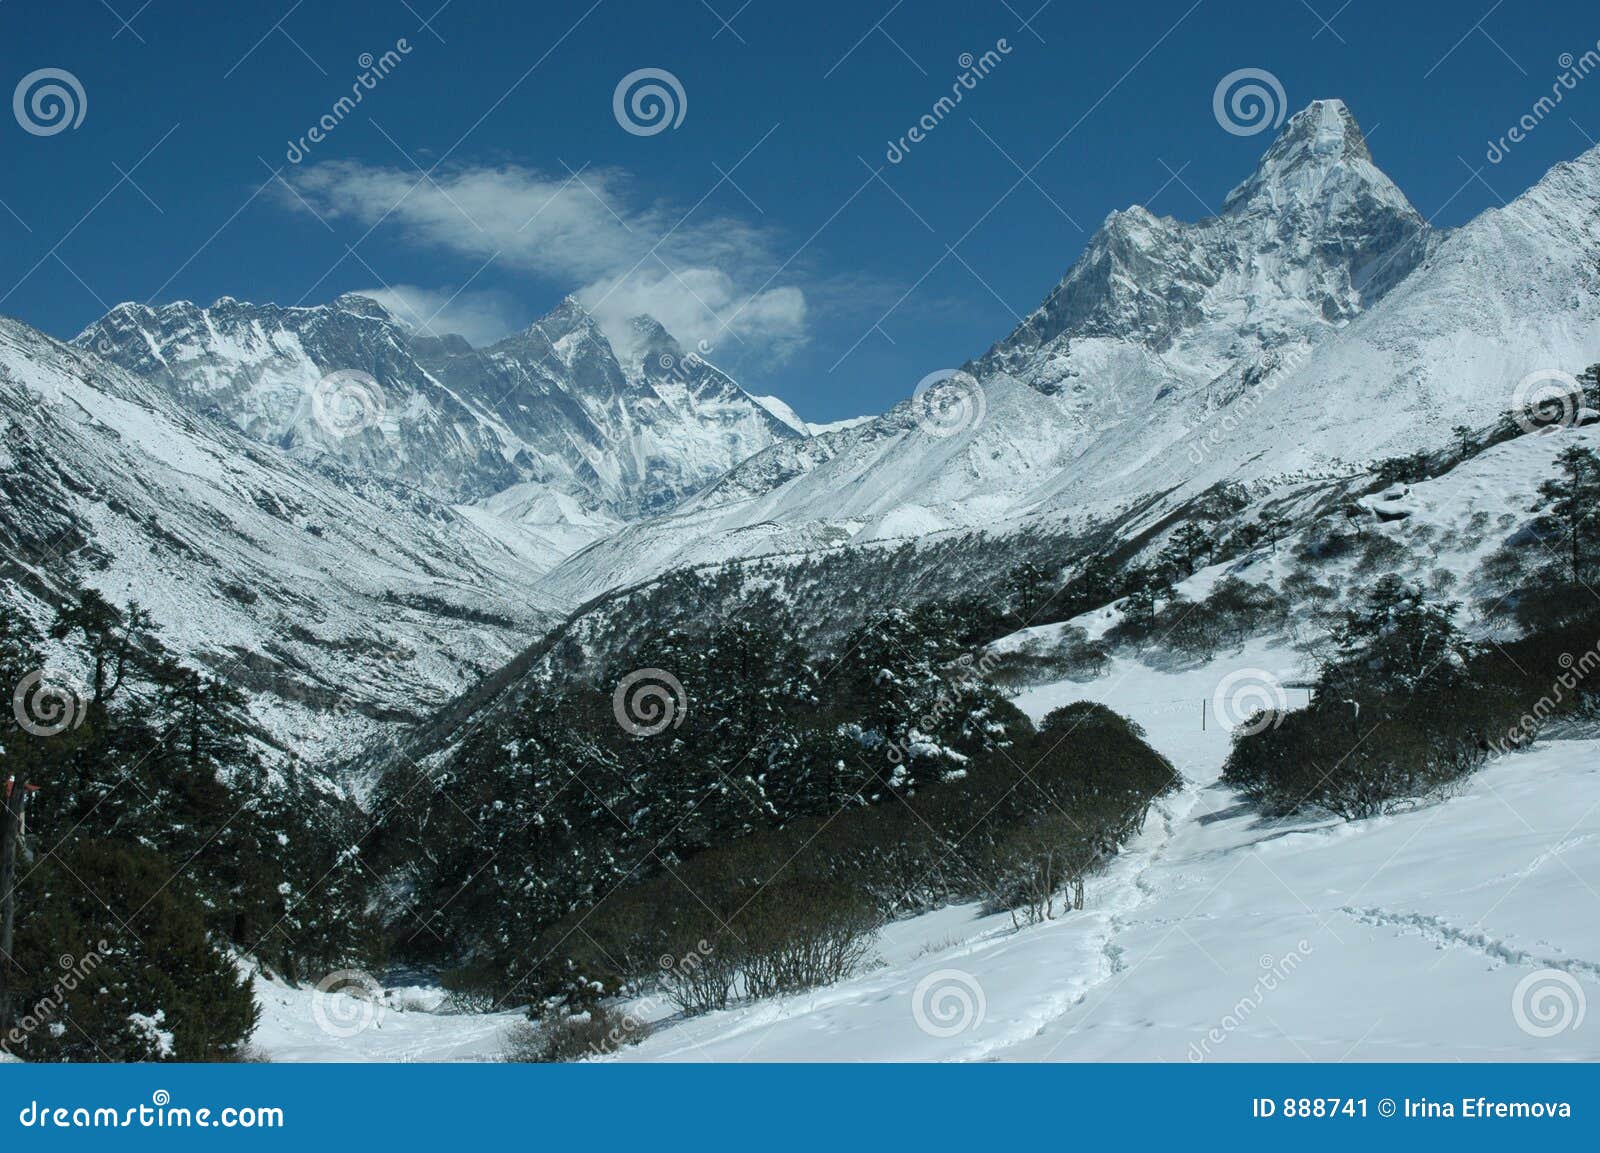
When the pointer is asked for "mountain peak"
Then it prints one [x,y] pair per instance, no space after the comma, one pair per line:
[567,318]
[1320,153]
[1322,132]
[358,304]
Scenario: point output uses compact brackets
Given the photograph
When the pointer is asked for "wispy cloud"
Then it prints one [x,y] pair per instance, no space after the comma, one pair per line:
[481,317]
[707,277]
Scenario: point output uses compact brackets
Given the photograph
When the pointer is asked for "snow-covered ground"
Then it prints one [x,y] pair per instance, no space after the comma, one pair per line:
[306,1025]
[1404,937]
[1215,936]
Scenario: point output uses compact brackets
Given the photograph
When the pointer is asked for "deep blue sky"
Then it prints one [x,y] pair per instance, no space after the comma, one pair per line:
[505,102]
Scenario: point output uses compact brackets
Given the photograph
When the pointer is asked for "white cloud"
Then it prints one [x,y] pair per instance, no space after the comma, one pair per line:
[703,308]
[705,277]
[481,317]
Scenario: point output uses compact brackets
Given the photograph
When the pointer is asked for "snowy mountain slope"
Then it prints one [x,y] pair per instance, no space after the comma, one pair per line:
[1398,938]
[1441,533]
[1343,941]
[1417,926]
[1315,236]
[258,367]
[341,606]
[860,484]
[780,409]
[621,432]
[1314,324]
[1513,292]
[654,422]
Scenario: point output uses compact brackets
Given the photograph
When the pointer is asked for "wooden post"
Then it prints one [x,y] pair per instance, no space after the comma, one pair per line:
[15,801]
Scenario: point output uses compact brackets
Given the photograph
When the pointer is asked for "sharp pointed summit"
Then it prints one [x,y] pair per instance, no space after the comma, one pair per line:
[1316,234]
[1320,160]
[1314,319]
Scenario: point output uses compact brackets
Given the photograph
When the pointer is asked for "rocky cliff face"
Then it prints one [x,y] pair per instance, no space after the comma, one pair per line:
[1315,236]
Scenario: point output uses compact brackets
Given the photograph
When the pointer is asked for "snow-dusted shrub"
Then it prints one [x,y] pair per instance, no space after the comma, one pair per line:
[1038,868]
[566,1036]
[784,910]
[1381,553]
[1408,710]
[1327,540]
[1070,655]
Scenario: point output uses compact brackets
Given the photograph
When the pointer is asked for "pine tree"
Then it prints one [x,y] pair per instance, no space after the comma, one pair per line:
[19,652]
[150,833]
[114,641]
[1026,589]
[1396,640]
[1574,503]
[1188,545]
[1274,528]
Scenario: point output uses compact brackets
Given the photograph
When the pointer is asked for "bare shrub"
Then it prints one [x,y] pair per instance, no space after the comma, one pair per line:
[804,933]
[1070,655]
[1038,869]
[566,1037]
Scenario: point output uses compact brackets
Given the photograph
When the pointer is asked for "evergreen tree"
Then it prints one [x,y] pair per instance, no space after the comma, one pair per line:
[19,654]
[1189,544]
[1026,590]
[1396,641]
[118,966]
[155,829]
[1274,527]
[1574,504]
[1097,584]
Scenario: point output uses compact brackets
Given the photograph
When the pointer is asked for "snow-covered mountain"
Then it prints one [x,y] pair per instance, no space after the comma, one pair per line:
[343,605]
[550,419]
[1314,323]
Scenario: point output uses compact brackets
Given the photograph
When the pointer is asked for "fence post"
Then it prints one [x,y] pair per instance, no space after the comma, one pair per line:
[11,816]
